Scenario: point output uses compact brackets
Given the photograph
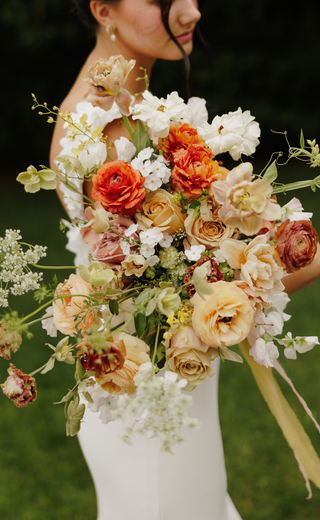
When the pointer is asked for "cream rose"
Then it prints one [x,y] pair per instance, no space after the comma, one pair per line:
[206,232]
[189,357]
[121,381]
[159,211]
[257,264]
[225,318]
[69,312]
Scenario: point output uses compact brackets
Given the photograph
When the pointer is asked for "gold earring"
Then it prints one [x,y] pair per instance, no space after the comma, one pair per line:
[110,30]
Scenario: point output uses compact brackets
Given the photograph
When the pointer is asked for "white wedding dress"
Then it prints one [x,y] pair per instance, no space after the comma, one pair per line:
[139,482]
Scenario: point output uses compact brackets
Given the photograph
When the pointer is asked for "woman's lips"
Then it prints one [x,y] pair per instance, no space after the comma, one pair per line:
[185,37]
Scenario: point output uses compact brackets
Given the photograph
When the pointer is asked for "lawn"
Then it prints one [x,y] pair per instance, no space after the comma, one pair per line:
[43,474]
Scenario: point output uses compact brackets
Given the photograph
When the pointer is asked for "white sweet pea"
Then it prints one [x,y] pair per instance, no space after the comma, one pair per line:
[131,230]
[94,155]
[160,113]
[47,322]
[194,253]
[125,149]
[235,132]
[299,344]
[103,403]
[293,210]
[146,153]
[264,353]
[145,370]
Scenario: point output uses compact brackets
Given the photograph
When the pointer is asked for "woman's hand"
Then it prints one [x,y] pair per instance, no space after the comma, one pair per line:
[303,277]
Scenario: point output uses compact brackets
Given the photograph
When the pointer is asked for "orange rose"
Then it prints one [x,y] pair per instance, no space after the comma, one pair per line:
[179,137]
[118,187]
[69,312]
[194,170]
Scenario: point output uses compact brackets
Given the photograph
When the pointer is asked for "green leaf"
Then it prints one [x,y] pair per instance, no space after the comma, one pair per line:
[80,371]
[194,204]
[230,355]
[271,173]
[199,279]
[140,323]
[140,138]
[301,139]
[114,307]
[144,296]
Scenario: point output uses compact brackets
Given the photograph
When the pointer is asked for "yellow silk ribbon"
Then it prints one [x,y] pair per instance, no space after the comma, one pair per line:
[290,425]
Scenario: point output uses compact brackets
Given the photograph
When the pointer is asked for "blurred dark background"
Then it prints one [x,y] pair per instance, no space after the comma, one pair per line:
[264,59]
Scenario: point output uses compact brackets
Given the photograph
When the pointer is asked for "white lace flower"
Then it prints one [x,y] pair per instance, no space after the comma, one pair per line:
[194,253]
[264,353]
[235,132]
[160,113]
[166,241]
[146,250]
[153,182]
[125,149]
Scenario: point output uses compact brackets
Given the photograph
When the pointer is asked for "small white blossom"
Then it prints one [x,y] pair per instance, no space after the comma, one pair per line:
[146,250]
[152,260]
[153,182]
[219,256]
[131,230]
[166,241]
[194,253]
[125,246]
[151,236]
[103,403]
[299,344]
[264,353]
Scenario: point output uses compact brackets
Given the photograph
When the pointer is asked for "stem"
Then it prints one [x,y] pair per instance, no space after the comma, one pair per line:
[36,311]
[38,370]
[36,321]
[297,185]
[127,125]
[54,266]
[155,346]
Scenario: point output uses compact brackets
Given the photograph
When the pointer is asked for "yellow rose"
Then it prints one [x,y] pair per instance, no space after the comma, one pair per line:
[159,211]
[189,357]
[225,318]
[121,381]
[70,311]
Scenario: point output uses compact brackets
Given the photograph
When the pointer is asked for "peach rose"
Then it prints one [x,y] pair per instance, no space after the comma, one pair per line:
[194,170]
[121,381]
[189,357]
[206,232]
[158,211]
[225,318]
[118,187]
[108,249]
[297,244]
[69,312]
[179,137]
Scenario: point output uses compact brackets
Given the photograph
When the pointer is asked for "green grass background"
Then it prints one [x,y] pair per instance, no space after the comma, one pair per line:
[43,475]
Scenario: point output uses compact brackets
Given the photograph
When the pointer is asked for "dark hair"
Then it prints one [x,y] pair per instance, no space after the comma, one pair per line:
[84,11]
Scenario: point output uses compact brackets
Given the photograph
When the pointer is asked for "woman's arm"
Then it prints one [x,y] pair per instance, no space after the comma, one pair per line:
[304,277]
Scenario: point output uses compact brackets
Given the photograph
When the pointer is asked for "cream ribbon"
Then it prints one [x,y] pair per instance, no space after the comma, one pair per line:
[292,429]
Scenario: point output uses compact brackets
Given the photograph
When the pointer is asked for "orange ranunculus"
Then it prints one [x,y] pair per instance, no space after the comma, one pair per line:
[297,244]
[118,187]
[179,137]
[194,170]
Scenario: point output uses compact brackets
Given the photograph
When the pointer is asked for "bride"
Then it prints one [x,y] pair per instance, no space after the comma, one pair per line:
[140,482]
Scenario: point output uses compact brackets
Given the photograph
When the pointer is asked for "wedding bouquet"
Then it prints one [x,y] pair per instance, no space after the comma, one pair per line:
[178,259]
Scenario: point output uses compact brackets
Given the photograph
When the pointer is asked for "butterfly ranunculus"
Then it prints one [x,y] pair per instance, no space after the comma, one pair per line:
[297,244]
[19,387]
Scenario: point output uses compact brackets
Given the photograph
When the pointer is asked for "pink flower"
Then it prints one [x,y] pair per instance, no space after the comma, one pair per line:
[98,223]
[19,387]
[108,249]
[245,203]
[106,78]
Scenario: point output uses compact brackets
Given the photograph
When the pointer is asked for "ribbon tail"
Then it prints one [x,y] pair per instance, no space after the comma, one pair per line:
[292,429]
